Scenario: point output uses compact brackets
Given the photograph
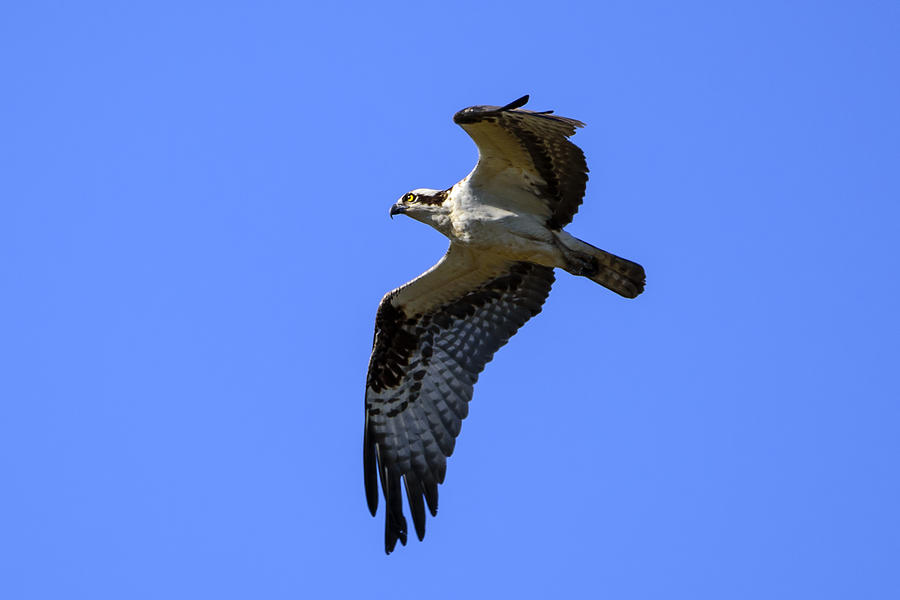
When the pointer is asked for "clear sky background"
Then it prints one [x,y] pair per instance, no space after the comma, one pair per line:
[194,237]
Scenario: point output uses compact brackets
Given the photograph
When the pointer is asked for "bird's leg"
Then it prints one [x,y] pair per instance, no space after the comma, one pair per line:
[577,263]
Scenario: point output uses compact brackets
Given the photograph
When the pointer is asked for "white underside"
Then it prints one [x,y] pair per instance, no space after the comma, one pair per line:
[499,225]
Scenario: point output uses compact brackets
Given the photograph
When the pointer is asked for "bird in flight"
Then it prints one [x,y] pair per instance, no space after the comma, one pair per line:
[434,335]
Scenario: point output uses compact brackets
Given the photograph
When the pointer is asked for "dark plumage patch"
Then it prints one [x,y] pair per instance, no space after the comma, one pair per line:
[434,200]
[562,165]
[392,348]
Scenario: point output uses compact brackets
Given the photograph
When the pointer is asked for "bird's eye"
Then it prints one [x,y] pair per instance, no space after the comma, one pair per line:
[409,198]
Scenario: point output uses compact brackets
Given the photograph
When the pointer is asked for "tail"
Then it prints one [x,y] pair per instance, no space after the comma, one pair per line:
[620,275]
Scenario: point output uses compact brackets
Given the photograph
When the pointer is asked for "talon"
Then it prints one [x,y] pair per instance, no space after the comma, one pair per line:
[583,264]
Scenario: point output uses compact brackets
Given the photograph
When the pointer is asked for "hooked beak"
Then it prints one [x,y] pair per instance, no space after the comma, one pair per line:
[397,209]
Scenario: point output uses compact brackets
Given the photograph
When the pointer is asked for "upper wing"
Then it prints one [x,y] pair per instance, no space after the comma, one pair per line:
[433,337]
[529,150]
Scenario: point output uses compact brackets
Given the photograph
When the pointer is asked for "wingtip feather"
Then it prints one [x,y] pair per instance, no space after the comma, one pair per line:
[370,470]
[394,522]
[517,103]
[416,504]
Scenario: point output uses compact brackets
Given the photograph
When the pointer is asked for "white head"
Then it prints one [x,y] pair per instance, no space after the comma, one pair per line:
[425,205]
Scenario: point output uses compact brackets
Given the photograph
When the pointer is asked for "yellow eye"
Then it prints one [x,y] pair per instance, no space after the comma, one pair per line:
[409,198]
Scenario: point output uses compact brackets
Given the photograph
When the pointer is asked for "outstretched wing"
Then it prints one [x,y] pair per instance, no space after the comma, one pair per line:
[530,151]
[433,337]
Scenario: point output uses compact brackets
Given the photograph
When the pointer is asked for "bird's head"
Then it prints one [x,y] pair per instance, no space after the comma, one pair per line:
[423,205]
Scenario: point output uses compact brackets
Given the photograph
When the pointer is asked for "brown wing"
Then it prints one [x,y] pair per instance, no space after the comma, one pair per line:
[530,150]
[433,337]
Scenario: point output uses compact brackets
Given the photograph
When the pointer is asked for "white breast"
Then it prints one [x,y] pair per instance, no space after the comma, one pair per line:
[501,222]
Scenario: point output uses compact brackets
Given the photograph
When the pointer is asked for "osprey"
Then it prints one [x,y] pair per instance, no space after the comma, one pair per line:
[434,335]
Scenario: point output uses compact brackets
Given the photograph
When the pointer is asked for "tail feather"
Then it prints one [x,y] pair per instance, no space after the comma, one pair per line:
[613,272]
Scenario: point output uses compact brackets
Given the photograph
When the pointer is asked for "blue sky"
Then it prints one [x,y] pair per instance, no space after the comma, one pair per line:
[194,237]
